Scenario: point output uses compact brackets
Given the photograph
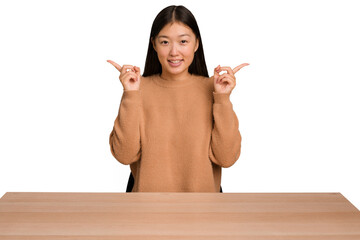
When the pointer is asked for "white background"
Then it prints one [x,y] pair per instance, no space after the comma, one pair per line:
[297,102]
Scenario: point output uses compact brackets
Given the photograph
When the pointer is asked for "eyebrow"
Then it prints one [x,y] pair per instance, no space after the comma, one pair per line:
[181,35]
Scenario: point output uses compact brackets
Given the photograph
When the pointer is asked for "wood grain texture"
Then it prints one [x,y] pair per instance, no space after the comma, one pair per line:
[172,216]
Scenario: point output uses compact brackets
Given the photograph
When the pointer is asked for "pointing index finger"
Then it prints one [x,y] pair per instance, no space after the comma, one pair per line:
[239,67]
[117,66]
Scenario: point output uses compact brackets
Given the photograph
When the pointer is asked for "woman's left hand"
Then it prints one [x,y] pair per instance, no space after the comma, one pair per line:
[226,82]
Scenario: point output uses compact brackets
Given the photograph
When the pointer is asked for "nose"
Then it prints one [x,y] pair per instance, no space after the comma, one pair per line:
[173,50]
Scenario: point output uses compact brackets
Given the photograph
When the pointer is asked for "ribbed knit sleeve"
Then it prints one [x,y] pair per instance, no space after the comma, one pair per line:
[225,144]
[125,137]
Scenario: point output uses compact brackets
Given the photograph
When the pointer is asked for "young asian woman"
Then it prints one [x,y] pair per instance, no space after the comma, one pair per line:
[176,127]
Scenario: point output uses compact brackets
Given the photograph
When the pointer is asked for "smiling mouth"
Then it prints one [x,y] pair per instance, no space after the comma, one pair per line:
[177,61]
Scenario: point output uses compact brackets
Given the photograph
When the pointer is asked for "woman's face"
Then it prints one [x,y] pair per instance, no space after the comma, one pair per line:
[175,46]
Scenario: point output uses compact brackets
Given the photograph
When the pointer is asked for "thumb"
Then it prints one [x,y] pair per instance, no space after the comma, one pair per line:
[137,71]
[216,71]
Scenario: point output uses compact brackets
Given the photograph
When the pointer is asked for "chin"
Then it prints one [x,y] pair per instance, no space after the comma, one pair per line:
[177,70]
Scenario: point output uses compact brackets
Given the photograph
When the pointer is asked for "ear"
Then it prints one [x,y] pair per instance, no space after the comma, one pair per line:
[197,45]
[153,43]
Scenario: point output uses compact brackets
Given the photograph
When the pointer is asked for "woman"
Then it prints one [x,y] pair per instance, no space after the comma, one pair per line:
[176,127]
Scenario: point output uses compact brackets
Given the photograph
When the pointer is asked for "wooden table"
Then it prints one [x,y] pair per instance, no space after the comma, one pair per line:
[105,216]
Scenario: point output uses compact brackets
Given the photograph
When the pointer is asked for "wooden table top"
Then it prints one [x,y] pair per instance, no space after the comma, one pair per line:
[110,216]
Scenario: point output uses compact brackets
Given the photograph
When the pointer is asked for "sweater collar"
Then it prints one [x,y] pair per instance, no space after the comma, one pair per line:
[172,83]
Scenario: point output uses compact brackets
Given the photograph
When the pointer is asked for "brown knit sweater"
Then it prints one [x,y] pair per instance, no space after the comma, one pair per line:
[176,135]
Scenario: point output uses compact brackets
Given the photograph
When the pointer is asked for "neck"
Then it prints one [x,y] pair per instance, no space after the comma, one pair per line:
[175,77]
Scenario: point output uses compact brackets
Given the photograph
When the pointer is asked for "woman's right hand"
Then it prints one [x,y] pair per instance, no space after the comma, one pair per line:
[129,75]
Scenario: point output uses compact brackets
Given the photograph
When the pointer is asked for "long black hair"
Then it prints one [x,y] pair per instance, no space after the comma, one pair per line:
[172,14]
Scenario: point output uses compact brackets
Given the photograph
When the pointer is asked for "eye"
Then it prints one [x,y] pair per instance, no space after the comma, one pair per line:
[183,41]
[163,42]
